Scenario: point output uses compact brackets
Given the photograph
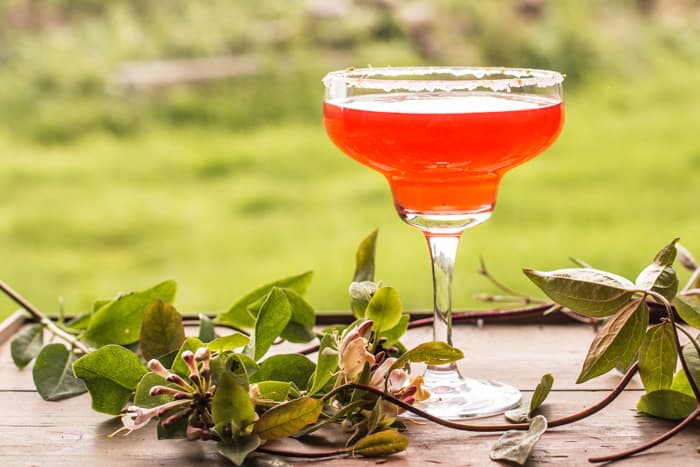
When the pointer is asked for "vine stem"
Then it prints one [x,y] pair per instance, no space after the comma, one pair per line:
[304,455]
[691,281]
[612,395]
[650,444]
[43,319]
[693,415]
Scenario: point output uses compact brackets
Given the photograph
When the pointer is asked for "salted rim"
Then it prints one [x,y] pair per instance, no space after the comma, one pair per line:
[365,78]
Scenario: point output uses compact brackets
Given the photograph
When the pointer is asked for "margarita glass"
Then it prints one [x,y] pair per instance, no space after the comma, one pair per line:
[443,137]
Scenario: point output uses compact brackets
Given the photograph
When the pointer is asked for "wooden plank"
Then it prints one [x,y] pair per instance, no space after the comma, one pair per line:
[69,433]
[516,354]
[11,325]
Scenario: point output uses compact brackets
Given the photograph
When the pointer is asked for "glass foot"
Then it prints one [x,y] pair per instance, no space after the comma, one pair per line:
[454,397]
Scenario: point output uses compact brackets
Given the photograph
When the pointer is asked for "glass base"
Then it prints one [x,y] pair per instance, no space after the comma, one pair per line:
[454,397]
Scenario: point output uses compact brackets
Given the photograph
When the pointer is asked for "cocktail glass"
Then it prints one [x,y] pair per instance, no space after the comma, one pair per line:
[443,137]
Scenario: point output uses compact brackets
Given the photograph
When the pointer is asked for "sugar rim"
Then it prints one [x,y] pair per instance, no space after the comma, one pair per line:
[365,78]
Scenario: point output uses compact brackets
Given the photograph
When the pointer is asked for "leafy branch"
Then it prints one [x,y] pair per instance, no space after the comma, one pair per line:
[43,320]
[132,355]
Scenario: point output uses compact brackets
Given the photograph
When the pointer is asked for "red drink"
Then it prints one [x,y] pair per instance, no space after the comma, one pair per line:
[443,153]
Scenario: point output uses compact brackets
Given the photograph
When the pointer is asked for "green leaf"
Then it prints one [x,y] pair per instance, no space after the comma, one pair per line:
[236,449]
[360,295]
[688,308]
[162,331]
[523,413]
[617,341]
[295,332]
[667,255]
[27,344]
[238,314]
[277,391]
[327,364]
[299,329]
[657,357]
[80,323]
[659,279]
[681,384]
[659,276]
[393,335]
[273,317]
[231,403]
[385,309]
[111,373]
[383,443]
[432,353]
[364,273]
[690,354]
[207,332]
[364,259]
[667,403]
[541,392]
[230,342]
[292,368]
[99,304]
[53,373]
[240,366]
[179,366]
[119,321]
[288,418]
[142,395]
[515,445]
[586,291]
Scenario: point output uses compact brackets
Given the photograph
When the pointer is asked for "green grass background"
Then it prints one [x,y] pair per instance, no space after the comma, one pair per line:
[229,186]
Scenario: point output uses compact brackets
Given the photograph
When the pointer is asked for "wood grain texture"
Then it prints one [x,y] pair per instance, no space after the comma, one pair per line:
[34,432]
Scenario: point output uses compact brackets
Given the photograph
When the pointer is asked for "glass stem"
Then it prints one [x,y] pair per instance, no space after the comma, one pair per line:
[443,250]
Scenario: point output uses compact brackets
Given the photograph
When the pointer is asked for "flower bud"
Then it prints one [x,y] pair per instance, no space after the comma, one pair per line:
[685,258]
[156,367]
[202,354]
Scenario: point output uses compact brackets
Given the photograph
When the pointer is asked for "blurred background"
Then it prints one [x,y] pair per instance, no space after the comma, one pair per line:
[143,141]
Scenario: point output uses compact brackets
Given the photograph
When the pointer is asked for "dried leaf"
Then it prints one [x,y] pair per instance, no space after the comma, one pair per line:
[516,445]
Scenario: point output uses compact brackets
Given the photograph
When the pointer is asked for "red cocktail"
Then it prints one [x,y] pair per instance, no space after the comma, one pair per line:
[443,138]
[443,152]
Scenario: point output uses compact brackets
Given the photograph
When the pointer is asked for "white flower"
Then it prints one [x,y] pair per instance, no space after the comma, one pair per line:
[137,417]
[353,353]
[397,378]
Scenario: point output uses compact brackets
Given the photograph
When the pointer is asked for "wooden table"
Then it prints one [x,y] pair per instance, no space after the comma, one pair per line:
[35,432]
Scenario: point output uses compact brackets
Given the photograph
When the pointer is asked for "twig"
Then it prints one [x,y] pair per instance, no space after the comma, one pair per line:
[485,315]
[692,281]
[485,272]
[43,319]
[649,444]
